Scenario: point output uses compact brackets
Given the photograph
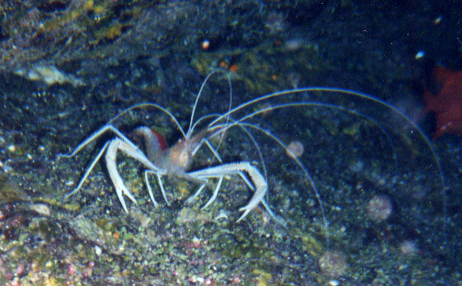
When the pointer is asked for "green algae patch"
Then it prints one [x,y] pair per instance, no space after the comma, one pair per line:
[309,243]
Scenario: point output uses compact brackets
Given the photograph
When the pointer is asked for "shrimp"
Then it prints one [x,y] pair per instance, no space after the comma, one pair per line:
[160,160]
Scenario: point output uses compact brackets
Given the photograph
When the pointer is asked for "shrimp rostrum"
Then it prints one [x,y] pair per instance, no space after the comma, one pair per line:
[160,161]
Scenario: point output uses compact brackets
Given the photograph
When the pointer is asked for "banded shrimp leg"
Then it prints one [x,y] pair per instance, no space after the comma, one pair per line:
[259,182]
[122,143]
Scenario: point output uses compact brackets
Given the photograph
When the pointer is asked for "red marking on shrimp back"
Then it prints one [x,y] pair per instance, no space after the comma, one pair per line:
[160,140]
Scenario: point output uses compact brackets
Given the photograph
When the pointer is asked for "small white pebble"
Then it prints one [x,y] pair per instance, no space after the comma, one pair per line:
[295,149]
[42,148]
[334,282]
[98,250]
[69,183]
[293,44]
[12,148]
[29,156]
[438,20]
[419,55]
[205,44]
[222,215]
[41,209]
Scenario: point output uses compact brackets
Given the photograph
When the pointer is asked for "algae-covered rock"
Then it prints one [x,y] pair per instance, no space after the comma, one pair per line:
[10,191]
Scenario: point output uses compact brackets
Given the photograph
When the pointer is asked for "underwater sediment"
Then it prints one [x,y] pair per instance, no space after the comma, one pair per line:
[68,67]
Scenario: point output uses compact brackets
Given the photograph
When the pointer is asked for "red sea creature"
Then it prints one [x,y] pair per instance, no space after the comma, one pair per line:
[445,101]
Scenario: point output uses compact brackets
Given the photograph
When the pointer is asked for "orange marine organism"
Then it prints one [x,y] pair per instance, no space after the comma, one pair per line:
[445,101]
